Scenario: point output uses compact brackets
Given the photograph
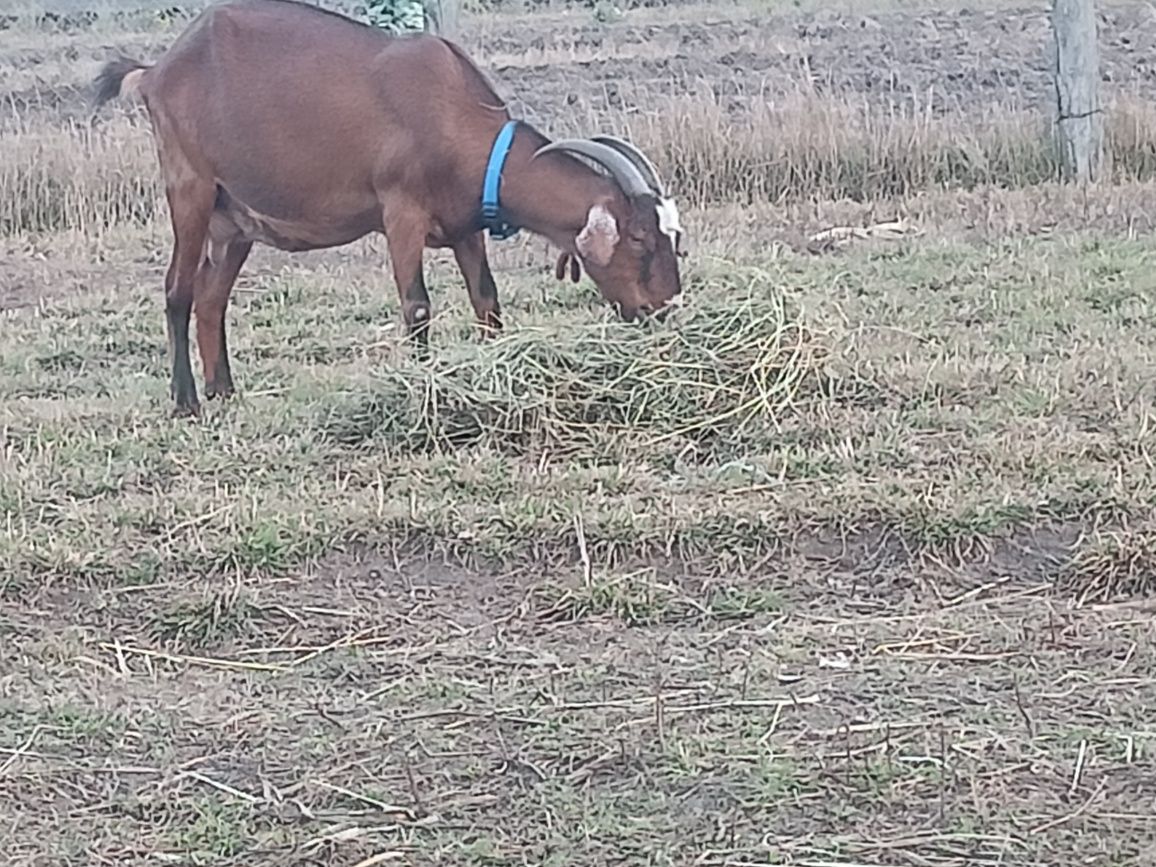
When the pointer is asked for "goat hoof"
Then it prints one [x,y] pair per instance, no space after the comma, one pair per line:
[186,410]
[490,329]
[419,341]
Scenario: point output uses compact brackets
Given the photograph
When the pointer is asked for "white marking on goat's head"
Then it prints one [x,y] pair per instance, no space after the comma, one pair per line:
[669,222]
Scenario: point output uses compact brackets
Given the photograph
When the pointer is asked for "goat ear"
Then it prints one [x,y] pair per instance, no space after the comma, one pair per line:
[599,237]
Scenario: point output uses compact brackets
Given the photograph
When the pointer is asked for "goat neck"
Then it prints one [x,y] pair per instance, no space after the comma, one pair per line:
[552,195]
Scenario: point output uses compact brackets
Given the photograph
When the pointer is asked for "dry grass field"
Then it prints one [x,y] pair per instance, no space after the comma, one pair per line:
[850,563]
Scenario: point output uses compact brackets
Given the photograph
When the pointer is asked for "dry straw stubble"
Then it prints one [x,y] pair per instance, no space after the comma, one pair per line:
[803,145]
[77,177]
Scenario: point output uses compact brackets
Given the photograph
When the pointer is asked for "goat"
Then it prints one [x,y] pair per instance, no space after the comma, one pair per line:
[281,123]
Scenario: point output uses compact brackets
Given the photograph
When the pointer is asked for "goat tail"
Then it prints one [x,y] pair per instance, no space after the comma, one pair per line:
[119,78]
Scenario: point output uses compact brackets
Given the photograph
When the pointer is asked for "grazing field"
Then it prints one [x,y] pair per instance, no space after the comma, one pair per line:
[851,562]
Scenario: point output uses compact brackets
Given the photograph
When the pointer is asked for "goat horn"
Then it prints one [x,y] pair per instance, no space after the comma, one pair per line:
[637,157]
[621,168]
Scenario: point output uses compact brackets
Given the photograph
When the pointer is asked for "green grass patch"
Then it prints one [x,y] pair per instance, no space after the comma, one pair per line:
[789,397]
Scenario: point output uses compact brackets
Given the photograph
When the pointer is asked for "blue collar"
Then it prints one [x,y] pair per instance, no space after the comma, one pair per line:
[491,209]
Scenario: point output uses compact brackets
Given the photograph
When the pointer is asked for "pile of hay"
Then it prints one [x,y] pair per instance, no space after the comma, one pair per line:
[718,371]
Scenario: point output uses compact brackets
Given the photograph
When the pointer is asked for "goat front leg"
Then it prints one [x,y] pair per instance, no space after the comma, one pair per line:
[475,267]
[405,238]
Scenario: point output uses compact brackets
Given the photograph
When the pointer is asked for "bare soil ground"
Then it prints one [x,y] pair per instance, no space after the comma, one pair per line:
[914,626]
[943,59]
[440,717]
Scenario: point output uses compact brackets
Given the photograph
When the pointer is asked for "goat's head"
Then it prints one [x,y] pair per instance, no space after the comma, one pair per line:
[629,245]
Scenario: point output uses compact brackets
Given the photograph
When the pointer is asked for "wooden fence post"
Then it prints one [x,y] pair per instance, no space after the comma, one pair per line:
[1079,119]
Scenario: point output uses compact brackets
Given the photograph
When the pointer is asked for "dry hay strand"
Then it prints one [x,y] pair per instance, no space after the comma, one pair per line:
[840,236]
[717,372]
[1112,565]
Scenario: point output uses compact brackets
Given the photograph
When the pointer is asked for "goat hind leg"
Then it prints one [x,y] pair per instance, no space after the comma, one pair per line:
[190,205]
[218,274]
[475,267]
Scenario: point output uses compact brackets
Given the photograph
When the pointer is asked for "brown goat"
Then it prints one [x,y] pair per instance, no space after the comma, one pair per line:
[284,124]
